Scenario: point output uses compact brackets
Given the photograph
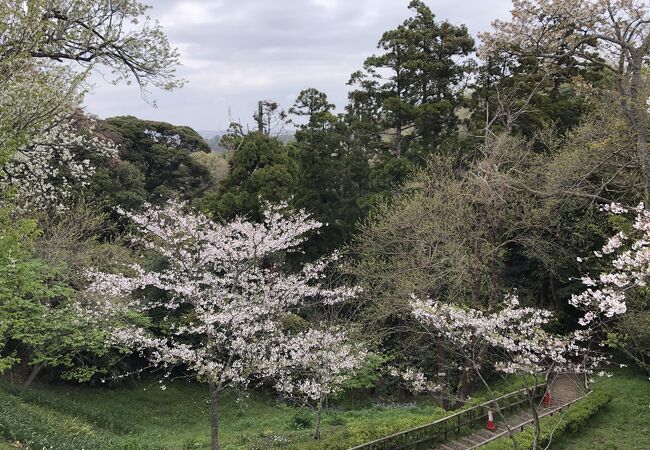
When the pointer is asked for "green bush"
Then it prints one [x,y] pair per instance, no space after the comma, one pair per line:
[301,420]
[574,418]
[336,420]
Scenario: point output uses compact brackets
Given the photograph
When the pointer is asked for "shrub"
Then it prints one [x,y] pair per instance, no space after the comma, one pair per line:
[336,420]
[301,420]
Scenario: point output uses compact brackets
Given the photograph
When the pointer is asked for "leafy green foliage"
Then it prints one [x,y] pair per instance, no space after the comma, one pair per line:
[369,374]
[155,163]
[261,169]
[98,32]
[217,165]
[120,183]
[37,323]
[332,176]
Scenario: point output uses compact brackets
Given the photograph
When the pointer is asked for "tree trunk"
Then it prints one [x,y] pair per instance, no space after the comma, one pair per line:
[319,411]
[32,376]
[635,108]
[398,140]
[260,117]
[444,399]
[466,386]
[468,380]
[643,153]
[214,416]
[533,410]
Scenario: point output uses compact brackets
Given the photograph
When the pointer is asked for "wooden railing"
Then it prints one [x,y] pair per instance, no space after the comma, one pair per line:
[454,425]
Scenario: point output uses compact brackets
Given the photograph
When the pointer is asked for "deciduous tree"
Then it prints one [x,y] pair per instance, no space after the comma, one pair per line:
[614,34]
[225,301]
[108,33]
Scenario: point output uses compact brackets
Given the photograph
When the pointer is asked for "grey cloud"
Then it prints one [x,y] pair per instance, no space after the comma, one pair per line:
[236,52]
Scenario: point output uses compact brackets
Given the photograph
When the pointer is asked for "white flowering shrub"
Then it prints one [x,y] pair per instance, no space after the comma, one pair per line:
[45,171]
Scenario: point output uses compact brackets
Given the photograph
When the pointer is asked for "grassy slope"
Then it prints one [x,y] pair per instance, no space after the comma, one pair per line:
[145,417]
[176,418]
[625,421]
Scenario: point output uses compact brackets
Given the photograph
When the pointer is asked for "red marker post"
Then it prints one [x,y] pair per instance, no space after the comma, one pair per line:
[490,423]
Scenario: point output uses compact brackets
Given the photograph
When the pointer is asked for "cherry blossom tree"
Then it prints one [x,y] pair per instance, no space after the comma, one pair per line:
[316,365]
[609,298]
[515,333]
[226,303]
[513,339]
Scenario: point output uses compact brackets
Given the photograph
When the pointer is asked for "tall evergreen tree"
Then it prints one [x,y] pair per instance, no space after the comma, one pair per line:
[332,176]
[412,90]
[155,162]
[260,169]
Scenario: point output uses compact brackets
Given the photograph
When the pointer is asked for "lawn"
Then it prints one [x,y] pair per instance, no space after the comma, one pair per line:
[623,424]
[143,416]
[146,417]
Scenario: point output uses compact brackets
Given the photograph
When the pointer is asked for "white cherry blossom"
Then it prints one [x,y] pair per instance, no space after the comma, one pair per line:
[226,302]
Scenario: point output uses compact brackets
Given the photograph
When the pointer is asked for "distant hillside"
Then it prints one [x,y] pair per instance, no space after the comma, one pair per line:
[209,134]
[212,137]
[286,138]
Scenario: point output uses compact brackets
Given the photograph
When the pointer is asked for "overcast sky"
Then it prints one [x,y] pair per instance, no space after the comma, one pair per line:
[235,52]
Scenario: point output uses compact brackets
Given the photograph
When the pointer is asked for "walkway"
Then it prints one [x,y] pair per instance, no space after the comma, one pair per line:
[565,390]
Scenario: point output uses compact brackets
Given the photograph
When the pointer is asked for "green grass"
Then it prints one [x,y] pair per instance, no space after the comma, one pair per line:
[146,417]
[142,416]
[623,424]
